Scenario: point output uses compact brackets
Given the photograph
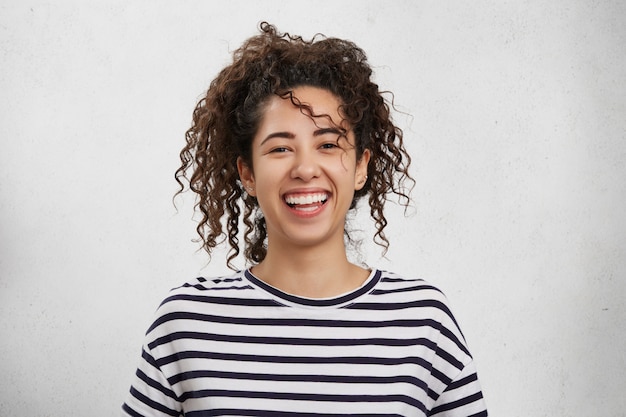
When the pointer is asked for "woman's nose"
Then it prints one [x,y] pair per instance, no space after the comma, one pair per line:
[306,166]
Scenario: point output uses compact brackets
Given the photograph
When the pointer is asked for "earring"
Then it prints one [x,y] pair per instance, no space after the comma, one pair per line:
[362,180]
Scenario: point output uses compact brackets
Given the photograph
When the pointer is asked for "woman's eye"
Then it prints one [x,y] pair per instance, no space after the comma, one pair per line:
[329,145]
[279,150]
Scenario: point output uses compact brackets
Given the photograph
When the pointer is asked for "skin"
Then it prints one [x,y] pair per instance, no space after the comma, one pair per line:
[304,161]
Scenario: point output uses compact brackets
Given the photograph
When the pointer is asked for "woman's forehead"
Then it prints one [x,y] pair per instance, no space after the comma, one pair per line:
[319,105]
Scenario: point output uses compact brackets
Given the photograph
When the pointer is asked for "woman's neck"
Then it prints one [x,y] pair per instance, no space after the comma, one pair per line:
[310,272]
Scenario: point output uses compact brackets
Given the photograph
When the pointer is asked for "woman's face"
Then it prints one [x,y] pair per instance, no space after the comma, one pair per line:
[305,174]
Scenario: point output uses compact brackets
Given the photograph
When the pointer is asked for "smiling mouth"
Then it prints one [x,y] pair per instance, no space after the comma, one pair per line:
[306,201]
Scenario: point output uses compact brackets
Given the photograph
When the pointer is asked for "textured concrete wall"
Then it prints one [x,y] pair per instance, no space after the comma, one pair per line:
[515,113]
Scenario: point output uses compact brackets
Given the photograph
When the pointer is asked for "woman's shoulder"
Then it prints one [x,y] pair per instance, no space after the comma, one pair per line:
[412,286]
[203,298]
[232,289]
[203,284]
[418,298]
[411,294]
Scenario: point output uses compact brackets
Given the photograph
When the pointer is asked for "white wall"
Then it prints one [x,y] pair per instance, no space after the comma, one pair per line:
[517,128]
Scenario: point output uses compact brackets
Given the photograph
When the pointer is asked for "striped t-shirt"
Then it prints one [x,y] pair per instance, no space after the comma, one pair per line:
[235,346]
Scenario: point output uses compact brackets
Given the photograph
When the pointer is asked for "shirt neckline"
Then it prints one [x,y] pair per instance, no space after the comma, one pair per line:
[331,302]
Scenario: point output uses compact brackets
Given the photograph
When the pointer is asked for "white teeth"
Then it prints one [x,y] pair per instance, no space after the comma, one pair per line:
[306,199]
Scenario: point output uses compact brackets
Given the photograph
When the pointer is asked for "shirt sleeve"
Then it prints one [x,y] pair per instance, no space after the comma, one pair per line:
[463,397]
[150,394]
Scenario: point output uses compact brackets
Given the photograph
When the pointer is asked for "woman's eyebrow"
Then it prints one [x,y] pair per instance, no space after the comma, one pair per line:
[324,131]
[285,135]
[289,135]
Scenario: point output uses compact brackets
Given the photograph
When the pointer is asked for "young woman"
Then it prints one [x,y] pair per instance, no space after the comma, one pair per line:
[287,139]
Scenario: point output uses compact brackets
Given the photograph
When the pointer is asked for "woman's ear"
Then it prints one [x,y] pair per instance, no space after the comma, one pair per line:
[360,177]
[246,176]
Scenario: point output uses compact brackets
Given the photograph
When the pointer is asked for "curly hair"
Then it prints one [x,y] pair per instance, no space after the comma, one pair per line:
[226,119]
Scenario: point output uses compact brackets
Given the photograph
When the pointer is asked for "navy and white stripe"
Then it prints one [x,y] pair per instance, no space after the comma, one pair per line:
[235,346]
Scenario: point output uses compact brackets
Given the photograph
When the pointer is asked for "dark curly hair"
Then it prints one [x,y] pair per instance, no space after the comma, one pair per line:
[226,119]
